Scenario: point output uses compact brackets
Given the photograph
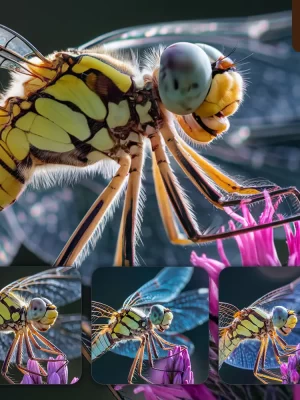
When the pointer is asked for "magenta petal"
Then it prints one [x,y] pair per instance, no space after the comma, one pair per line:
[33,366]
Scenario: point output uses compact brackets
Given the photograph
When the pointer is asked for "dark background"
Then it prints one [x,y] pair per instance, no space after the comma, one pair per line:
[241,287]
[112,287]
[9,275]
[55,26]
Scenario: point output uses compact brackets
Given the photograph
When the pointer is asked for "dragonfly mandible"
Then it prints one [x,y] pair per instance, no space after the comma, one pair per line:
[263,335]
[118,107]
[151,320]
[30,320]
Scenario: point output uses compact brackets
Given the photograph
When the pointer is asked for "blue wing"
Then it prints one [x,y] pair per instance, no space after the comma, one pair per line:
[244,356]
[129,348]
[166,286]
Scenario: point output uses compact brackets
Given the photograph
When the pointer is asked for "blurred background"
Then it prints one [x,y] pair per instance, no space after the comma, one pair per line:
[241,287]
[112,287]
[10,275]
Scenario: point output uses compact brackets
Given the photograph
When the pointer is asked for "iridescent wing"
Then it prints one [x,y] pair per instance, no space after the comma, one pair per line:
[287,296]
[167,284]
[64,334]
[226,314]
[129,348]
[60,285]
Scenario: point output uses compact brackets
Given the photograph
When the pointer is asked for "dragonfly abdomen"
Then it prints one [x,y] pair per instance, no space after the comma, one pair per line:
[250,323]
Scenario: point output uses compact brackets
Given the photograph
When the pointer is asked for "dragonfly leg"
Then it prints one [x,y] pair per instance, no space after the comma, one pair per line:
[7,360]
[287,349]
[140,362]
[128,233]
[181,206]
[266,374]
[94,216]
[19,358]
[134,364]
[192,164]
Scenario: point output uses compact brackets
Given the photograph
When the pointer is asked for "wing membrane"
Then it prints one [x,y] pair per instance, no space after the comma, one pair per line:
[226,314]
[163,288]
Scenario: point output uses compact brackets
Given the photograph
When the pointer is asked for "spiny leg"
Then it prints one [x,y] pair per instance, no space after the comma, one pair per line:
[7,360]
[266,373]
[125,252]
[257,362]
[287,349]
[89,223]
[210,190]
[134,364]
[182,211]
[19,359]
[141,359]
[165,208]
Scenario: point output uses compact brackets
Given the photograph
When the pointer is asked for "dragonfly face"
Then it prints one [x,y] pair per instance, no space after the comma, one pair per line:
[25,313]
[42,314]
[88,108]
[151,321]
[284,320]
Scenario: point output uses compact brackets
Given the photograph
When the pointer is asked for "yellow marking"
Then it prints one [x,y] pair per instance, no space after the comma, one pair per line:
[250,326]
[292,321]
[241,330]
[102,140]
[25,105]
[5,157]
[114,336]
[47,129]
[16,110]
[4,311]
[15,316]
[260,312]
[26,121]
[119,328]
[64,68]
[50,317]
[256,321]
[232,347]
[121,80]
[71,121]
[129,322]
[70,88]
[4,133]
[236,341]
[12,186]
[47,144]
[134,316]
[234,334]
[4,118]
[227,341]
[96,156]
[44,72]
[118,114]
[1,321]
[143,112]
[17,143]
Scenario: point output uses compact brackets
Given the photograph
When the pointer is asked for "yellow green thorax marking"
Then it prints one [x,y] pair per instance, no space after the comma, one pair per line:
[120,79]
[10,307]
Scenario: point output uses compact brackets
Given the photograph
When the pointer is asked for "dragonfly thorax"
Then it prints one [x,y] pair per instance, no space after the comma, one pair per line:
[284,320]
[161,317]
[12,313]
[41,313]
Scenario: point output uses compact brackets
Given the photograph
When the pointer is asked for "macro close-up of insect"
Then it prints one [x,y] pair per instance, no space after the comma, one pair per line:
[32,326]
[150,322]
[261,336]
[91,110]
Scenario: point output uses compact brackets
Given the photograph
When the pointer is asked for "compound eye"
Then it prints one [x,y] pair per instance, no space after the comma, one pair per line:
[185,76]
[157,314]
[213,53]
[37,309]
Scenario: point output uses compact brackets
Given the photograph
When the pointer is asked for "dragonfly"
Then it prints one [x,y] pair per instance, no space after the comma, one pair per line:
[253,338]
[172,130]
[30,320]
[151,320]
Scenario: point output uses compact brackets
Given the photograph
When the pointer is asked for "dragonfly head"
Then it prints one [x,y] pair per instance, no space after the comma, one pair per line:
[161,317]
[201,86]
[42,313]
[284,320]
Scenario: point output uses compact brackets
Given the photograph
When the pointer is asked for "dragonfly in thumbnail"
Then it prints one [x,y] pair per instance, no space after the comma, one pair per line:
[261,336]
[31,326]
[151,320]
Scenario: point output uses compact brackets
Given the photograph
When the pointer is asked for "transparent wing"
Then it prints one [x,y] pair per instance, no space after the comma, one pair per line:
[244,356]
[287,296]
[129,348]
[65,334]
[10,237]
[163,288]
[14,50]
[190,309]
[61,285]
[226,314]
